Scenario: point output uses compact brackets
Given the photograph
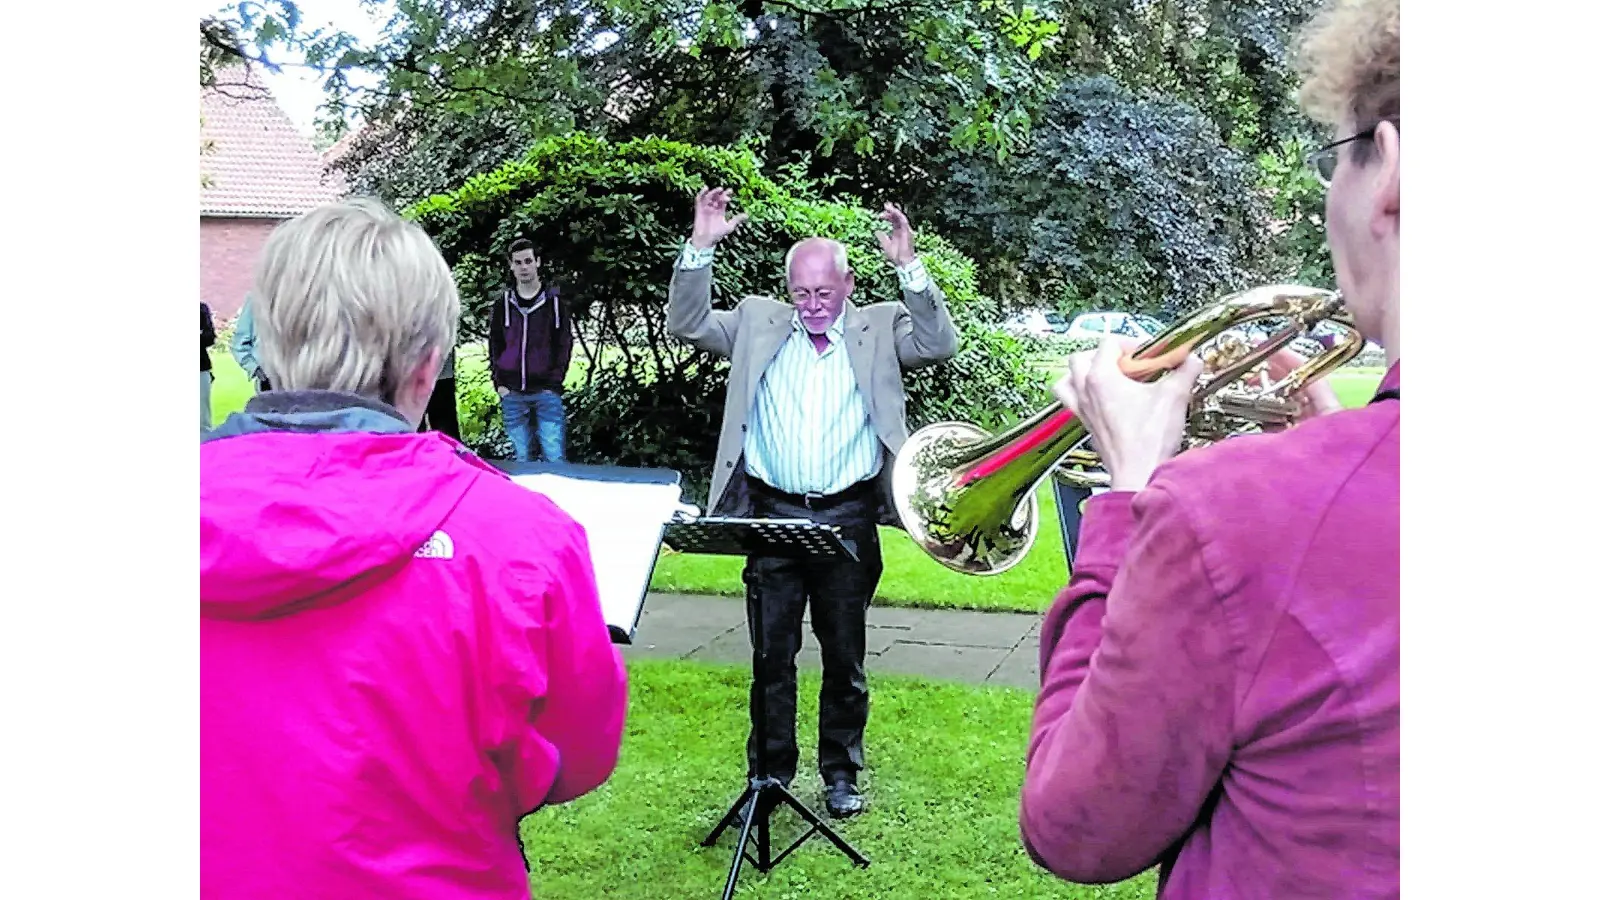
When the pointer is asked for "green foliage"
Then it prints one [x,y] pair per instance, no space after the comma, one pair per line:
[1230,60]
[1297,199]
[478,406]
[1122,203]
[207,147]
[875,101]
[610,218]
[1076,345]
[219,45]
[848,85]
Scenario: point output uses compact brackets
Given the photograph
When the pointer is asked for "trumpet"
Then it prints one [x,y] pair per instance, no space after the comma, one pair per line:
[967,498]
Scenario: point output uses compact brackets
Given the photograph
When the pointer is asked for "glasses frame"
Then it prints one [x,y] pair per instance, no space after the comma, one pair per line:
[823,294]
[1329,153]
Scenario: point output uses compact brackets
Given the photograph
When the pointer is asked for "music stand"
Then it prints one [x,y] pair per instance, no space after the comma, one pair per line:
[792,538]
[624,512]
[1069,512]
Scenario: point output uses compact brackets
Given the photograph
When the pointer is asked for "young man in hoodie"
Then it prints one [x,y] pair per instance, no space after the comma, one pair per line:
[530,345]
[401,650]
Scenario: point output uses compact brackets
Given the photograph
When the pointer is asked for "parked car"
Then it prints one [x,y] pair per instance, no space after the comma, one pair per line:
[1305,345]
[1096,325]
[1035,322]
[1257,332]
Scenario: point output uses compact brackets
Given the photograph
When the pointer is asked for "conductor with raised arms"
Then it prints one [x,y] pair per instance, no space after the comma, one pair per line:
[815,413]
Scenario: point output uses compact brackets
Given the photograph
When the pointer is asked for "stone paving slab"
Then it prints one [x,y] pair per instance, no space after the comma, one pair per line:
[973,647]
[965,628]
[674,625]
[945,661]
[733,645]
[1020,668]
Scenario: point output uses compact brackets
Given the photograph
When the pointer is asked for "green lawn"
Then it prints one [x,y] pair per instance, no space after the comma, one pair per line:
[945,765]
[231,389]
[1355,387]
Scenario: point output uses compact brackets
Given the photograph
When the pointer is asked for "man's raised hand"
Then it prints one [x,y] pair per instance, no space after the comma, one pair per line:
[897,242]
[711,222]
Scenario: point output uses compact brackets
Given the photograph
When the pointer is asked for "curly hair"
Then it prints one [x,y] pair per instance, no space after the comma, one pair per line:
[1349,60]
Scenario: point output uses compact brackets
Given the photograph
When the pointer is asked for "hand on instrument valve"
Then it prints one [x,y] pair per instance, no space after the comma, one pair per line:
[1135,426]
[711,222]
[1316,398]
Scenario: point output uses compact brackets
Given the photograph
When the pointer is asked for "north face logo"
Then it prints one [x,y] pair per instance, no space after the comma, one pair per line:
[438,547]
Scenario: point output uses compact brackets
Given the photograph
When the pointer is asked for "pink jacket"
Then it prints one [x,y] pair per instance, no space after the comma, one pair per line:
[1221,678]
[401,654]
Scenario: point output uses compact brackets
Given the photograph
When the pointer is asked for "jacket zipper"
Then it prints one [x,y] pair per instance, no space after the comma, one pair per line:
[522,358]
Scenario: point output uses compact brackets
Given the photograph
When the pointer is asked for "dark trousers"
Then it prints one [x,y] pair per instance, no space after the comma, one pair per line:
[838,592]
[441,414]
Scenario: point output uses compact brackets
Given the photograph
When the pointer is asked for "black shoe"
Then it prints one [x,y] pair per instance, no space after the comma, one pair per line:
[844,800]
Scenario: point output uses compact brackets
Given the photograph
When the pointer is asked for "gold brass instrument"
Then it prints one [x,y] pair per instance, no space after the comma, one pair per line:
[967,498]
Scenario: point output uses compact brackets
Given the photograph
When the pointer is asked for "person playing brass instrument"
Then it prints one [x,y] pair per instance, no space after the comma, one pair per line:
[1221,677]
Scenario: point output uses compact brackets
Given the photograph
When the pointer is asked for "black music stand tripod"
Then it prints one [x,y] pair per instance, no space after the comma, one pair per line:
[792,538]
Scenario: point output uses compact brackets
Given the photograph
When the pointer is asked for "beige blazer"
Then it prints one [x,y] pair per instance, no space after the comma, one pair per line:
[882,340]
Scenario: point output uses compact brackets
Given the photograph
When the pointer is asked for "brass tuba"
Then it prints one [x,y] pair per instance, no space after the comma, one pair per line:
[967,498]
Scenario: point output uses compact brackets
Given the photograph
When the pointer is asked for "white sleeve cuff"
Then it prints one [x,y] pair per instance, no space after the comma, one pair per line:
[913,277]
[693,257]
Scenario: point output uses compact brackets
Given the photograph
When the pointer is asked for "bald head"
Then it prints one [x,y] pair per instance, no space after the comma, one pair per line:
[814,247]
[820,281]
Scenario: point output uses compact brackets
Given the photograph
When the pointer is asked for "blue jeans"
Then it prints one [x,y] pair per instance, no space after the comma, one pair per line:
[523,412]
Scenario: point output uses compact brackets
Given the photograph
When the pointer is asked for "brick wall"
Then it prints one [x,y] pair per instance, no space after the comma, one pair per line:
[229,248]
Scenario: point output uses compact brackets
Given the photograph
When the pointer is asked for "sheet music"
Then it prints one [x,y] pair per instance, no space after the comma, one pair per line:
[623,521]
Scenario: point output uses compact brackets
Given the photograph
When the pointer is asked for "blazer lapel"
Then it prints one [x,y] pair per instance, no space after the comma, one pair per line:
[858,344]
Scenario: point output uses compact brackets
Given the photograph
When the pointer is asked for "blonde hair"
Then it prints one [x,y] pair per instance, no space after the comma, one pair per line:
[351,297]
[1349,60]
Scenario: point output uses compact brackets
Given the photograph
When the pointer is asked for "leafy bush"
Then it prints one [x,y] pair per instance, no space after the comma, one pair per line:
[1297,206]
[1123,202]
[1069,346]
[477,404]
[610,220]
[224,333]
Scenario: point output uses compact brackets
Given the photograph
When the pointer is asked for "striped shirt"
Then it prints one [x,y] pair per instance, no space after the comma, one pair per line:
[809,429]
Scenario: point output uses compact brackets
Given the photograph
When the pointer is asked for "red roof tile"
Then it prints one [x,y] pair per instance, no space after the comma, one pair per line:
[259,164]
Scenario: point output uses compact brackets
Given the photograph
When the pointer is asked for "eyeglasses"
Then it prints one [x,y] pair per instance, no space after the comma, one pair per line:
[1325,160]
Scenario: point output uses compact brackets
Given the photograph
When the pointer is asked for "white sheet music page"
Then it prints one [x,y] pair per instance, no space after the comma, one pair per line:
[624,523]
